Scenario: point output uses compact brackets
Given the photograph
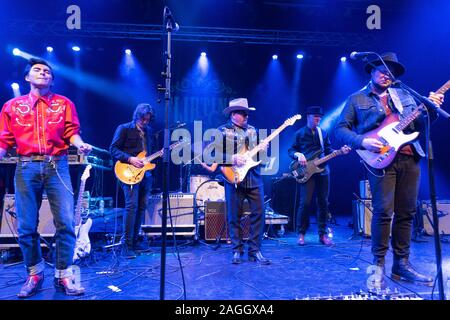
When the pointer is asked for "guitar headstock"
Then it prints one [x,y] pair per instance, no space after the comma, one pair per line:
[291,120]
[86,173]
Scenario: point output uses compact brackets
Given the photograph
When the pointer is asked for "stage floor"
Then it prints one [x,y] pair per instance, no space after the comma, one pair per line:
[295,273]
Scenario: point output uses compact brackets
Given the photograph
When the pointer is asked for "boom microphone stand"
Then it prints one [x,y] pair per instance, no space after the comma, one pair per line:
[171,26]
[429,105]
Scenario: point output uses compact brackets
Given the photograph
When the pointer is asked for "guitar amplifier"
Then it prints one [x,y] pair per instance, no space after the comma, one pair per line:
[8,228]
[216,224]
[181,210]
[443,212]
[362,217]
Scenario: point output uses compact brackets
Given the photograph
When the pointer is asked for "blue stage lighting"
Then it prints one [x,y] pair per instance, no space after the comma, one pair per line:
[15,86]
[76,48]
[49,49]
[16,52]
[275,57]
[203,54]
[127,51]
[343,59]
[299,56]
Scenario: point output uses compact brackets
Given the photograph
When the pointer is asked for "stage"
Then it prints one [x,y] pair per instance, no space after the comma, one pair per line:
[296,273]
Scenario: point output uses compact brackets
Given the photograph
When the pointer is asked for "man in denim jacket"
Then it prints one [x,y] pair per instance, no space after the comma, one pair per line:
[395,188]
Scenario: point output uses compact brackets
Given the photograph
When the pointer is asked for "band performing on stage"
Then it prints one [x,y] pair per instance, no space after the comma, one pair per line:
[381,122]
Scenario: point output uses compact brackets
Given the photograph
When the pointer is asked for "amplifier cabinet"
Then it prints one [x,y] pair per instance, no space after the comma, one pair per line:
[216,225]
[443,212]
[180,214]
[8,228]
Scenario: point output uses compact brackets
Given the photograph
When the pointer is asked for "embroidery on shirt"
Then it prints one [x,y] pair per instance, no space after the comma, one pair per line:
[27,108]
[53,122]
[22,124]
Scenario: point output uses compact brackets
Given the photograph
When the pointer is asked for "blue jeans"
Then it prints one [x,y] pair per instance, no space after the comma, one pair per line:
[30,181]
[136,200]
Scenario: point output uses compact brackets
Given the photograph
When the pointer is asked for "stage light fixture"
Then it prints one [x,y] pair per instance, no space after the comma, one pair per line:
[128,51]
[16,51]
[203,54]
[76,48]
[49,49]
[343,59]
[299,56]
[15,86]
[275,57]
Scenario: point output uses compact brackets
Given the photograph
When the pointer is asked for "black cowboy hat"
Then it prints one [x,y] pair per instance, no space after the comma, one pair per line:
[390,58]
[315,110]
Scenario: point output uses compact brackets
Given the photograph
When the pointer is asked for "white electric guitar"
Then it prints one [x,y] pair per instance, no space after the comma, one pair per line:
[83,244]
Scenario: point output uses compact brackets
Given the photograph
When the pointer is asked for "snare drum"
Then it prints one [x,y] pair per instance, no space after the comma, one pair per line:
[195,181]
[209,190]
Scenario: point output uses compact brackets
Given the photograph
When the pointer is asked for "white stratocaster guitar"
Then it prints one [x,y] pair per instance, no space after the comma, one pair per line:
[390,133]
[236,174]
[83,244]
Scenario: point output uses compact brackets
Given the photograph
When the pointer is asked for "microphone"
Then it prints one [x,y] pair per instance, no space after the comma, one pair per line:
[357,55]
[168,18]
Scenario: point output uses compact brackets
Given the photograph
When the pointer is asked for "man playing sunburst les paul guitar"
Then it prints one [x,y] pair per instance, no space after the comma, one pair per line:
[130,139]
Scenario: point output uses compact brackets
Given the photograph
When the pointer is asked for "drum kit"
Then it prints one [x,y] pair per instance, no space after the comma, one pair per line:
[204,189]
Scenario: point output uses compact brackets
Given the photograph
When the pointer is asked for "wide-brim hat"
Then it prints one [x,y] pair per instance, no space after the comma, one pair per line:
[237,104]
[390,58]
[314,110]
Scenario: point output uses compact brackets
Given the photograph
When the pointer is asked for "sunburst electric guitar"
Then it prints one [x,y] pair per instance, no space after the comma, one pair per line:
[129,174]
[82,226]
[235,174]
[390,133]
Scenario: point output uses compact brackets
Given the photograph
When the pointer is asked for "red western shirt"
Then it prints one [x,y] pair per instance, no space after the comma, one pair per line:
[38,125]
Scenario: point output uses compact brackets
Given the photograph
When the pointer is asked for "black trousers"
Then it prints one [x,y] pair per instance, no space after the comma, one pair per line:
[395,192]
[136,200]
[320,184]
[234,202]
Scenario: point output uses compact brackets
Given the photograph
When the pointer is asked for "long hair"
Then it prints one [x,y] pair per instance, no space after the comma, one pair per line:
[141,110]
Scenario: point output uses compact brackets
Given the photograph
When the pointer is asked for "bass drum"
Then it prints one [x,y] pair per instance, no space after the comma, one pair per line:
[195,181]
[209,190]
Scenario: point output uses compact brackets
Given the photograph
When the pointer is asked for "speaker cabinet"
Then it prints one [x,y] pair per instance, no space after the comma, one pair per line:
[181,215]
[362,217]
[216,224]
[8,228]
[285,198]
[443,211]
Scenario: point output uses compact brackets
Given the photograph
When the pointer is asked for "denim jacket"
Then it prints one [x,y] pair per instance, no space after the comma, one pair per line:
[363,112]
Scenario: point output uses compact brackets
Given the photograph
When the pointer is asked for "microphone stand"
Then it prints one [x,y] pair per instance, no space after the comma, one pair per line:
[169,25]
[429,105]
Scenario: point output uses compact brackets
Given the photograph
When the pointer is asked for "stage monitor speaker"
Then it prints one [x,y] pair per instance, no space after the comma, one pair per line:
[285,198]
[216,224]
[8,228]
[443,211]
[181,210]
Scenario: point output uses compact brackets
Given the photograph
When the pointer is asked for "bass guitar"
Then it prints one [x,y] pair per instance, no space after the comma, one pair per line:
[82,226]
[303,173]
[235,174]
[129,174]
[390,133]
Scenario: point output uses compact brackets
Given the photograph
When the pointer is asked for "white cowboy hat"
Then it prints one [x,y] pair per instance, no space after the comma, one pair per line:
[237,104]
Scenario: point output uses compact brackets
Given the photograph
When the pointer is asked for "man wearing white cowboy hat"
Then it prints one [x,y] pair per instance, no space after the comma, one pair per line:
[239,134]
[394,188]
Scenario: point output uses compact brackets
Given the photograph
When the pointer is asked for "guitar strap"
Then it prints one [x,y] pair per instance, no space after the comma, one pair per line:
[319,132]
[395,98]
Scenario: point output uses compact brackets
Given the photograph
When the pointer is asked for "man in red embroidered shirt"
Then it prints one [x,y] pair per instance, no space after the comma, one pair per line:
[42,125]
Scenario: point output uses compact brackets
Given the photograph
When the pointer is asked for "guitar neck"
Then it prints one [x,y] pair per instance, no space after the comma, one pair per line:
[160,153]
[78,207]
[413,115]
[335,153]
[255,150]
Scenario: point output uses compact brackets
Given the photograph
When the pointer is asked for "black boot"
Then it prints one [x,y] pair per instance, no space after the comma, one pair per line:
[258,257]
[236,258]
[403,270]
